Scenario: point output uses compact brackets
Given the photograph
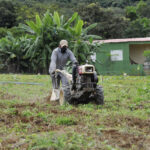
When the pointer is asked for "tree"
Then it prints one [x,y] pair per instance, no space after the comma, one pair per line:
[143,9]
[8,15]
[140,22]
[108,22]
[116,3]
[138,28]
[28,10]
[12,54]
[131,13]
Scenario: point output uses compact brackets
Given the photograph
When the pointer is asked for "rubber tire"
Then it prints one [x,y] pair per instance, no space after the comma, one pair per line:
[64,96]
[99,97]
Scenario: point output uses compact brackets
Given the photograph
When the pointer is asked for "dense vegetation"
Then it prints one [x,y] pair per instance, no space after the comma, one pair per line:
[29,121]
[31,52]
[31,29]
[131,16]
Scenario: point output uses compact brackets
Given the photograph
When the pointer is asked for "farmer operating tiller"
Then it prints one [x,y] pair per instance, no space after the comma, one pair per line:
[60,56]
[81,86]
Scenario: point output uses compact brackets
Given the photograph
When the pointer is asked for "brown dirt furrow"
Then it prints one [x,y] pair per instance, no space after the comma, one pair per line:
[6,96]
[70,112]
[125,140]
[24,105]
[129,121]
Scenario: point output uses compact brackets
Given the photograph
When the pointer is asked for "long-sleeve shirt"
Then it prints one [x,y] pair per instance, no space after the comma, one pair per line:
[59,59]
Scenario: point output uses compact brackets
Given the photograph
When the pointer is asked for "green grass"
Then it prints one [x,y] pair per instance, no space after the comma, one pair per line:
[66,121]
[121,123]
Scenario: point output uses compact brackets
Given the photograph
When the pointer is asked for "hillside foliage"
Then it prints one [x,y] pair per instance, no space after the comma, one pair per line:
[130,16]
[31,29]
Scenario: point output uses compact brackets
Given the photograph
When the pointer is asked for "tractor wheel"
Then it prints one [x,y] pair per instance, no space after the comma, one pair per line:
[64,96]
[99,97]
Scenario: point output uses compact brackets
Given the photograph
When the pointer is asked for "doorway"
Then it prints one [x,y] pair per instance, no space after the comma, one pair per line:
[136,52]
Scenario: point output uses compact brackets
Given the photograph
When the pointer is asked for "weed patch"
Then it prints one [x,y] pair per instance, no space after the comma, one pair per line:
[66,121]
[60,141]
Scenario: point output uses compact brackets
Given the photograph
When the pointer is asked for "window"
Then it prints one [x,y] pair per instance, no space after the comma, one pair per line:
[116,55]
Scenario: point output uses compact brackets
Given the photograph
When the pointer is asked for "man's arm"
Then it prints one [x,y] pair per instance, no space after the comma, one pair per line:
[52,66]
[72,57]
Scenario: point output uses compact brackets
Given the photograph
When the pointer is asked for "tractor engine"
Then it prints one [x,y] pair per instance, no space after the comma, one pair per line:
[86,77]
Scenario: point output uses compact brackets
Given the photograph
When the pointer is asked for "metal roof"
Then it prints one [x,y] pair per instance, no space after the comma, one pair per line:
[124,40]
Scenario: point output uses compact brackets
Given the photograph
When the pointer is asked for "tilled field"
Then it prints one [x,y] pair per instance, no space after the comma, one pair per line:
[29,121]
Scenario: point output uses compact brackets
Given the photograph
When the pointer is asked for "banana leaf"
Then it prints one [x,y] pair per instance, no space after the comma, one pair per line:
[67,24]
[90,27]
[78,27]
[38,21]
[56,19]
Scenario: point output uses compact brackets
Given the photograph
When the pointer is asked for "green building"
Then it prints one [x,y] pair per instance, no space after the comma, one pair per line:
[119,56]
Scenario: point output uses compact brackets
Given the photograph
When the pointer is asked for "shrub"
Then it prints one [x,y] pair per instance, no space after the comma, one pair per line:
[147,55]
[3,32]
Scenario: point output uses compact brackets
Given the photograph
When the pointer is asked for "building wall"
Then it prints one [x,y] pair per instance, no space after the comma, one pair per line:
[105,64]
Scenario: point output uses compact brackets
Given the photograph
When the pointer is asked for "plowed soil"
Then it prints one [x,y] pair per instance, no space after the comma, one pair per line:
[108,127]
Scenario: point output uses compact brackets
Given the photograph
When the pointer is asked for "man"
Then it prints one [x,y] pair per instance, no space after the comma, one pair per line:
[59,58]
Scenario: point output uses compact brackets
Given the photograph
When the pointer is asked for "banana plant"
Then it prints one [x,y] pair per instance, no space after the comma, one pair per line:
[12,52]
[82,41]
[46,33]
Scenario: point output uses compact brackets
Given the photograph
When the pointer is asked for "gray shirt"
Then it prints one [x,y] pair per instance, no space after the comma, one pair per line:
[59,60]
